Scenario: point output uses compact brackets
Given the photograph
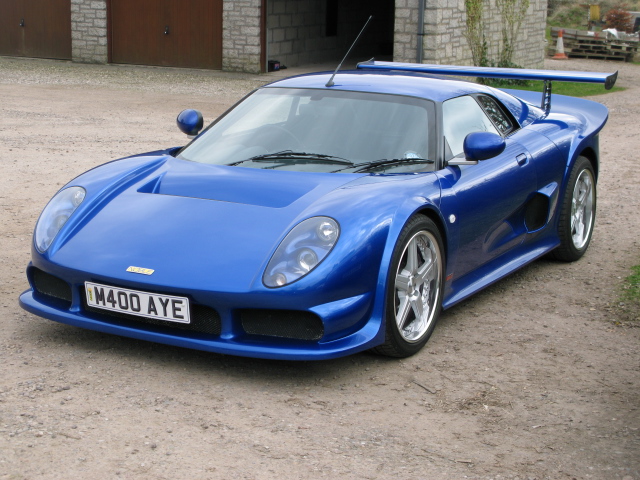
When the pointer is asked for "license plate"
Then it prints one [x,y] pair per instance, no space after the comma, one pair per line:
[134,302]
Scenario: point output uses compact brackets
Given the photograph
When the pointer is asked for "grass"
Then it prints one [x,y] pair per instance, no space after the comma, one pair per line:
[630,296]
[632,286]
[573,89]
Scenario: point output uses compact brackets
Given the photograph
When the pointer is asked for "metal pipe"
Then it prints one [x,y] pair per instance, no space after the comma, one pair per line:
[419,49]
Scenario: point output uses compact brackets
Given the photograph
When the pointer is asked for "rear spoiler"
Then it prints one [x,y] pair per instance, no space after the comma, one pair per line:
[608,79]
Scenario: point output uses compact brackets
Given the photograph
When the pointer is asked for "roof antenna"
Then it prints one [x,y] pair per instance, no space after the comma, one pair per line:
[330,82]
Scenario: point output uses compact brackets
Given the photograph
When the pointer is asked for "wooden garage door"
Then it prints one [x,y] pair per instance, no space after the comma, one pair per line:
[175,33]
[36,28]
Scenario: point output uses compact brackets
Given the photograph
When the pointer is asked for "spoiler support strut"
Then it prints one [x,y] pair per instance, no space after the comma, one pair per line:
[546,97]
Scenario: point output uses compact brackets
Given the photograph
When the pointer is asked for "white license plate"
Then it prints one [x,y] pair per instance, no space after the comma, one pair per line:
[134,302]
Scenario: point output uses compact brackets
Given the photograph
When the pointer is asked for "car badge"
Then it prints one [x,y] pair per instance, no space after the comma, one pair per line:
[143,271]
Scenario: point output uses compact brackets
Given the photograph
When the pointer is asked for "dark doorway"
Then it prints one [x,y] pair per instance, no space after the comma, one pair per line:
[36,28]
[321,31]
[166,32]
[377,40]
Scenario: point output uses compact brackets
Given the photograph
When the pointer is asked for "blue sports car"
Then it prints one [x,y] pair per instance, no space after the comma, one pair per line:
[324,215]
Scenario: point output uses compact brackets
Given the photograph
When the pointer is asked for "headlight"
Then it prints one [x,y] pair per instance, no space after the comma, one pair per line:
[302,250]
[56,214]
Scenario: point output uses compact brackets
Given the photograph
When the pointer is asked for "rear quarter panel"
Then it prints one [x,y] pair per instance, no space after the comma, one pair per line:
[572,125]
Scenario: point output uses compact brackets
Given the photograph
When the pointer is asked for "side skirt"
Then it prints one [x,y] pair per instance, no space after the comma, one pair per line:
[494,271]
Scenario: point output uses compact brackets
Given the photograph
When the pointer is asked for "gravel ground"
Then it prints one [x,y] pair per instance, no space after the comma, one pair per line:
[534,378]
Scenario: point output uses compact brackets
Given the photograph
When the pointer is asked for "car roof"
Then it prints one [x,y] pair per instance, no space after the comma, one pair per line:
[421,85]
[397,83]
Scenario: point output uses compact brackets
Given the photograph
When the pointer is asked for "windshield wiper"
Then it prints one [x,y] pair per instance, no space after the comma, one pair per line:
[363,167]
[291,155]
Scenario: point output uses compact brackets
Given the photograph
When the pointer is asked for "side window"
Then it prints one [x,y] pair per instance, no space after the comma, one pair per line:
[496,114]
[461,116]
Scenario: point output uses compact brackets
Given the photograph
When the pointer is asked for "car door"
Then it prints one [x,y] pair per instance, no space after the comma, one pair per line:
[484,204]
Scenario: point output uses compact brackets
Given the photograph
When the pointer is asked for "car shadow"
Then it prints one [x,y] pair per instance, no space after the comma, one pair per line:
[77,342]
[80,342]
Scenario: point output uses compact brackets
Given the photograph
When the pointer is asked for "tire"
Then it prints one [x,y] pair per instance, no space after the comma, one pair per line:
[577,213]
[414,288]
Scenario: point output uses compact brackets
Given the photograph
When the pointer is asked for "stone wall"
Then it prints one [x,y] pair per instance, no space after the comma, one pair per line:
[89,31]
[531,43]
[405,38]
[444,41]
[241,36]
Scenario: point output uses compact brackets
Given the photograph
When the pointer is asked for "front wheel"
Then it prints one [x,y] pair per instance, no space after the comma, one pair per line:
[414,291]
[577,213]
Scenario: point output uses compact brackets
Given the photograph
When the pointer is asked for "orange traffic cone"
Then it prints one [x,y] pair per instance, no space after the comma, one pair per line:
[560,48]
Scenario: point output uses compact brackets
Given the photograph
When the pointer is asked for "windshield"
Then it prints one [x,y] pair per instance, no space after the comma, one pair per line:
[321,131]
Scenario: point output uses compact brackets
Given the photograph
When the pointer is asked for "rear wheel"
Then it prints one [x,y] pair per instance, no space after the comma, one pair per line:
[414,291]
[577,213]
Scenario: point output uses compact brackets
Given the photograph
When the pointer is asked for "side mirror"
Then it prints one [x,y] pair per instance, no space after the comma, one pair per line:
[483,145]
[190,122]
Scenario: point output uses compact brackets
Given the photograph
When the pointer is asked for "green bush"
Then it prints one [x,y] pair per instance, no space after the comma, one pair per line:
[570,16]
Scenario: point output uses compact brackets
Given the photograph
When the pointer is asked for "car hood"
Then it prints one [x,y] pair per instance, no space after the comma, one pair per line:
[204,226]
[246,186]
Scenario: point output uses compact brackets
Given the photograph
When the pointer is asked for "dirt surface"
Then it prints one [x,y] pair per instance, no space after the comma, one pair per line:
[534,378]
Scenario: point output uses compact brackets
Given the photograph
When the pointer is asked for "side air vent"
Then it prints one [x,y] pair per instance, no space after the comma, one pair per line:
[537,213]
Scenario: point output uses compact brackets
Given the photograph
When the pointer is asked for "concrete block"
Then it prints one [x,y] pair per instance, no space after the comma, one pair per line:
[286,47]
[278,35]
[279,6]
[250,32]
[250,12]
[291,7]
[285,21]
[291,33]
[97,32]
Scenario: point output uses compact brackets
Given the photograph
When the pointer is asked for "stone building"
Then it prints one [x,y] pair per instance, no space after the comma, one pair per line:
[244,35]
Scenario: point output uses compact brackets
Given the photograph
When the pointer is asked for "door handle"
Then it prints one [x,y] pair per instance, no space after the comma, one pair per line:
[166,30]
[522,159]
[22,22]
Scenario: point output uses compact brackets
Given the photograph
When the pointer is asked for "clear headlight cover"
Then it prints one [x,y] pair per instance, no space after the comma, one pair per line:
[302,250]
[56,214]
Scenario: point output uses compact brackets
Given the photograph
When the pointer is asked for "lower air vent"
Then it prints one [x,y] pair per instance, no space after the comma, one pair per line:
[51,287]
[293,324]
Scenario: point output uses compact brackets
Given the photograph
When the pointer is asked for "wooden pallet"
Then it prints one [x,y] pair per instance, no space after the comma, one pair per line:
[580,44]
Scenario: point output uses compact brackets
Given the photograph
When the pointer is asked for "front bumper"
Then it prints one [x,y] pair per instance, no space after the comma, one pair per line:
[348,325]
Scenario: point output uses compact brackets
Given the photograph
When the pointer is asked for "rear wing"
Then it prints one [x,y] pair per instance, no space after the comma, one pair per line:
[608,79]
